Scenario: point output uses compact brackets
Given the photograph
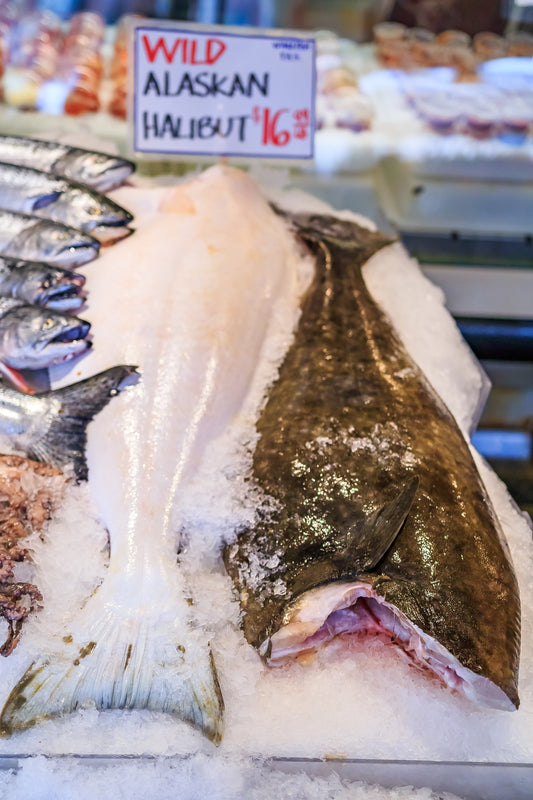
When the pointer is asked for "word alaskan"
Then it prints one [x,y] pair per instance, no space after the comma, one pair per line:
[205,84]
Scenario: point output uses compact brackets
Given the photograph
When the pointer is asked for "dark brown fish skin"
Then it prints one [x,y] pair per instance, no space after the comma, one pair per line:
[349,420]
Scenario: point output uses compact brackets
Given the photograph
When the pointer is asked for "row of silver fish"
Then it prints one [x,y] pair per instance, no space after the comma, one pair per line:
[51,206]
[31,191]
[50,220]
[100,171]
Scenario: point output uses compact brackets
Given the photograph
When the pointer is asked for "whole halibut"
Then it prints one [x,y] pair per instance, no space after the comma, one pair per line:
[377,521]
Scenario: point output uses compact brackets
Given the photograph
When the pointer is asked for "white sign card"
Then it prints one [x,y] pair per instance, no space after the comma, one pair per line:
[215,93]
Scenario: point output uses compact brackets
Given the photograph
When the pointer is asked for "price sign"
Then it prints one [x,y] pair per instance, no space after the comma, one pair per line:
[211,92]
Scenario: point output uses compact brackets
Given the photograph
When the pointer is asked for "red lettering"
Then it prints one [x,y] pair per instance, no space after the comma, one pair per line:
[302,123]
[151,52]
[213,50]
[212,44]
[270,133]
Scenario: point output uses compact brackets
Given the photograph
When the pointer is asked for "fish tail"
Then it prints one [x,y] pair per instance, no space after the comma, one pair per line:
[123,663]
[65,440]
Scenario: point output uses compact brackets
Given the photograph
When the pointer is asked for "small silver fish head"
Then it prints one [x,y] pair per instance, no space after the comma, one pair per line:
[104,211]
[53,243]
[84,209]
[35,338]
[51,287]
[98,170]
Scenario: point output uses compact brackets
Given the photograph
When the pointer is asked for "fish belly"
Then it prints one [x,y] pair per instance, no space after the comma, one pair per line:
[194,294]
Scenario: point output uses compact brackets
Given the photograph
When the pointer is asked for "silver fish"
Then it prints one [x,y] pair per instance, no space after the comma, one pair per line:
[33,239]
[52,427]
[32,191]
[41,285]
[35,338]
[98,170]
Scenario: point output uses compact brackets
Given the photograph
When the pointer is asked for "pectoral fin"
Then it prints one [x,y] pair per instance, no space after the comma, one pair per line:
[46,200]
[372,536]
[368,539]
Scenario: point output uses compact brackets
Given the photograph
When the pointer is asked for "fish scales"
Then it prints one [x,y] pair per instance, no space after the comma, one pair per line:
[350,420]
[99,170]
[48,196]
[40,284]
[30,238]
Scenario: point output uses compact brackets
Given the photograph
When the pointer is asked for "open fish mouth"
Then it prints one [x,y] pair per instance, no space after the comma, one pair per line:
[70,342]
[112,176]
[356,608]
[73,334]
[118,219]
[66,294]
[111,233]
[77,253]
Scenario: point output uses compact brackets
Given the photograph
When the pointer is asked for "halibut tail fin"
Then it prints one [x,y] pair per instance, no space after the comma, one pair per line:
[126,665]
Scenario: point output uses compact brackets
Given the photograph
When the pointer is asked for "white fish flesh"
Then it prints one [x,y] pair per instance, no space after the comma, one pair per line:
[217,258]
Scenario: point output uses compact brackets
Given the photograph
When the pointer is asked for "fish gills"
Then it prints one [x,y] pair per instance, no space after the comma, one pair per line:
[349,426]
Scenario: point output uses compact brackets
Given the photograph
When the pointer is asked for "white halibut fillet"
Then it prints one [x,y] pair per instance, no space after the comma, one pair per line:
[188,299]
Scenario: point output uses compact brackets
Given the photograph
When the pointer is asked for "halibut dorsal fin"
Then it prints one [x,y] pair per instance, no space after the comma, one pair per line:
[121,659]
[372,535]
